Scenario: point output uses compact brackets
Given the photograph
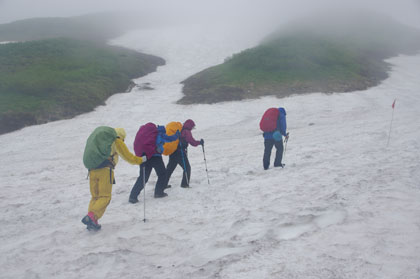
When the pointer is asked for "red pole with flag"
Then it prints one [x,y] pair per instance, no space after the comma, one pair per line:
[392,119]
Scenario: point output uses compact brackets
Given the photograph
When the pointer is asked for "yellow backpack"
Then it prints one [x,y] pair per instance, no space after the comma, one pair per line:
[171,128]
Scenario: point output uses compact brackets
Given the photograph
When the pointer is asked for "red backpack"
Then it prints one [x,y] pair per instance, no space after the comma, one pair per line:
[268,121]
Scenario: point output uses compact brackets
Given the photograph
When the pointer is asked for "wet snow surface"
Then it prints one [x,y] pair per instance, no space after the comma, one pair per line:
[345,206]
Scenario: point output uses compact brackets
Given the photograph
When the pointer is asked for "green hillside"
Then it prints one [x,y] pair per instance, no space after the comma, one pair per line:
[340,57]
[54,79]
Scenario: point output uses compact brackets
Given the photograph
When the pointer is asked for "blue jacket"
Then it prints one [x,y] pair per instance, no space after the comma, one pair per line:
[162,137]
[281,125]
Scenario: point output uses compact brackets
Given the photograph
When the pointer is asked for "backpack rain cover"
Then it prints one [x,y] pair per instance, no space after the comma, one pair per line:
[268,121]
[145,141]
[171,128]
[98,146]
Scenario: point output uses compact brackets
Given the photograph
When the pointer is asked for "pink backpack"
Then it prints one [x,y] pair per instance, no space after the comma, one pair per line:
[145,141]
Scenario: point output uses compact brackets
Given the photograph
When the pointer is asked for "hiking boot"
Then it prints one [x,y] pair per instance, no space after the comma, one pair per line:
[86,220]
[162,195]
[185,186]
[91,224]
[168,186]
[281,165]
[93,227]
[133,200]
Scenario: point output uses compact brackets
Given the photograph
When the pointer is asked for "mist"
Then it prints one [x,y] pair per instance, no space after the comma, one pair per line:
[257,12]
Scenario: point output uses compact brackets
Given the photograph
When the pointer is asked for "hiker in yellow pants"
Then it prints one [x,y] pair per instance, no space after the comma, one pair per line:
[102,176]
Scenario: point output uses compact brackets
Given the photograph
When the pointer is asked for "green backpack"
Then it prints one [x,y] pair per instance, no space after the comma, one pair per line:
[98,146]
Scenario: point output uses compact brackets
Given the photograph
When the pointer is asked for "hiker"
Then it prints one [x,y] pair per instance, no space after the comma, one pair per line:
[149,142]
[100,157]
[273,124]
[180,156]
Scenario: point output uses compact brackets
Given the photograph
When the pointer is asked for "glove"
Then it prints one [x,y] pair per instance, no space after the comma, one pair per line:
[202,142]
[144,159]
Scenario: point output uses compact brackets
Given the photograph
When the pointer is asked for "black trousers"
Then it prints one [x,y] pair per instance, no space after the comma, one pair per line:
[156,162]
[268,146]
[179,157]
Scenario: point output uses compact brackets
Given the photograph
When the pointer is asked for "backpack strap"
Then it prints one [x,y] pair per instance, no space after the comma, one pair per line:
[110,177]
[108,163]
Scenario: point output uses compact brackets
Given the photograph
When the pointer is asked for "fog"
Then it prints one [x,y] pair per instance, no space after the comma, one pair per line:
[258,12]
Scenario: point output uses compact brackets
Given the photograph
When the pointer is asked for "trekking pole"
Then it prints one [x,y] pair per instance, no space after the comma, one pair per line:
[144,194]
[205,162]
[183,161]
[285,145]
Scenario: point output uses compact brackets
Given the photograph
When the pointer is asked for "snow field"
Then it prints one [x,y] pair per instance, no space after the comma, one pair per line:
[345,206]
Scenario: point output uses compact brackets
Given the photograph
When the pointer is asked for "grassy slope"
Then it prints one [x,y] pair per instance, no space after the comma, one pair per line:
[343,58]
[53,79]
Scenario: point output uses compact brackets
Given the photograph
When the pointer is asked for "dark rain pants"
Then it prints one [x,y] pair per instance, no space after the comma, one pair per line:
[179,157]
[156,162]
[268,146]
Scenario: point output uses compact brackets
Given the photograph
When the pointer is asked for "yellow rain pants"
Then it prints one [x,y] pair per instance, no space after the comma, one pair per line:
[100,189]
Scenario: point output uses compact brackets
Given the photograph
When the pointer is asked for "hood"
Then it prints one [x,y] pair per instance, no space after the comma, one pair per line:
[189,124]
[120,133]
[282,111]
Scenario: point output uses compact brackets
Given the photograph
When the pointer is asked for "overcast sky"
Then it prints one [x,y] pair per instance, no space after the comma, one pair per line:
[407,11]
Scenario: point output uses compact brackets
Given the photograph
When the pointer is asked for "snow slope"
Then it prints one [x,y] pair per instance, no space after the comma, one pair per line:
[345,206]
